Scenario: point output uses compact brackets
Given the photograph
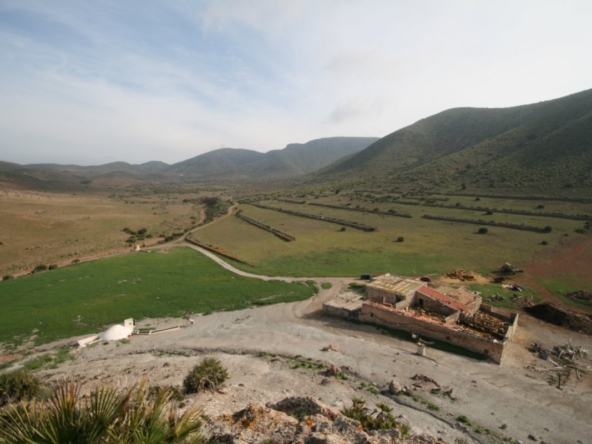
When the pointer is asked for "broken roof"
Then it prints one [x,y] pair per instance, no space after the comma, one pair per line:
[395,284]
[463,295]
[446,300]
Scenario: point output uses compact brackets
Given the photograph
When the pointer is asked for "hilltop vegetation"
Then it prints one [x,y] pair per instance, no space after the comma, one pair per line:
[543,146]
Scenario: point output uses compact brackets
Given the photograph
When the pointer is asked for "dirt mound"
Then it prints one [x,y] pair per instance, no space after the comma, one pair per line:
[580,296]
[562,316]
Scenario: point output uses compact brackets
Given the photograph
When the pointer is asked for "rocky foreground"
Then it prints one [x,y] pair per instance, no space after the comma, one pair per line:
[301,420]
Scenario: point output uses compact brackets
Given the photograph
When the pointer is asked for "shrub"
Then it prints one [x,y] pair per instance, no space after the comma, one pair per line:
[548,229]
[383,420]
[208,375]
[39,268]
[18,386]
[483,230]
[103,417]
[489,213]
[544,243]
[53,266]
[75,261]
[8,277]
[400,239]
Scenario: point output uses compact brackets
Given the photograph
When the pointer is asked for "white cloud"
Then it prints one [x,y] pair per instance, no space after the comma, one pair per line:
[170,80]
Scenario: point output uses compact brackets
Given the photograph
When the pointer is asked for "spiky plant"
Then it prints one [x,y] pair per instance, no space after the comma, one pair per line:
[105,417]
[208,375]
[17,386]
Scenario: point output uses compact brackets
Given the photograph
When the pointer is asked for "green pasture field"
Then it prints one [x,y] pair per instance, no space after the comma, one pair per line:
[56,228]
[488,290]
[81,298]
[429,246]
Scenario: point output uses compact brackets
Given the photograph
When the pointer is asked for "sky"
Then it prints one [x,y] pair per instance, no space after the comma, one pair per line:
[95,81]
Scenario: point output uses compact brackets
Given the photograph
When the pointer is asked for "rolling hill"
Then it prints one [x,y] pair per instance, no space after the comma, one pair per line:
[294,160]
[547,144]
[212,163]
[221,164]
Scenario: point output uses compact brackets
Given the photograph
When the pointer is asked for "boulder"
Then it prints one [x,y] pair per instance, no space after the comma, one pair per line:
[395,387]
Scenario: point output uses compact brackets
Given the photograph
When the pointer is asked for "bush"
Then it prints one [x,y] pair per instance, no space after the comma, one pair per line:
[75,261]
[384,419]
[53,266]
[8,277]
[400,239]
[483,230]
[18,386]
[103,417]
[208,375]
[544,243]
[548,229]
[39,268]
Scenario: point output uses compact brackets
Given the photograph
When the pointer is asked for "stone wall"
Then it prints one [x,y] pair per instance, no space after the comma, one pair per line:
[382,296]
[429,304]
[382,315]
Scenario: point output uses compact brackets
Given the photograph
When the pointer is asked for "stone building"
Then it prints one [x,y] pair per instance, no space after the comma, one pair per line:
[458,317]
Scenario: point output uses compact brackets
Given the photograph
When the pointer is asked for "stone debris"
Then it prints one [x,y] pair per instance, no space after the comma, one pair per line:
[424,378]
[331,347]
[301,420]
[333,370]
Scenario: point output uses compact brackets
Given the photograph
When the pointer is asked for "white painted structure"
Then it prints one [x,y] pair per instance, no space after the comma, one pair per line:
[113,333]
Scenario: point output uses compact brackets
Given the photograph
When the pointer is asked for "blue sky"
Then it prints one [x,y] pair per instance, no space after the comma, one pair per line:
[91,82]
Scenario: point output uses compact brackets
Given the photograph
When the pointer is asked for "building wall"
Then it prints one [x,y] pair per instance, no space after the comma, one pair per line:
[432,305]
[381,296]
[474,306]
[382,315]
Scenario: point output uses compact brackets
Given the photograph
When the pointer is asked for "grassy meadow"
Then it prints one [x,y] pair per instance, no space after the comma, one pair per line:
[81,298]
[428,247]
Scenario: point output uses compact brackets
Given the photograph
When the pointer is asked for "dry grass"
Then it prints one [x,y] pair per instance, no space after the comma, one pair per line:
[46,228]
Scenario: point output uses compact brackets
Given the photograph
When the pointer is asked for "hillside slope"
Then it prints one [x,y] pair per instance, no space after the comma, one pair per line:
[485,146]
[294,160]
[301,158]
[215,162]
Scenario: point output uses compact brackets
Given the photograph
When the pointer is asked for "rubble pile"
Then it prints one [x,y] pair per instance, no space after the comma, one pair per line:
[461,275]
[301,420]
[416,311]
[486,323]
[580,296]
[566,360]
[564,354]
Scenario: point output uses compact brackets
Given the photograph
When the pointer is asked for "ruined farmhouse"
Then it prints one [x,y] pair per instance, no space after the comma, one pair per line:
[457,316]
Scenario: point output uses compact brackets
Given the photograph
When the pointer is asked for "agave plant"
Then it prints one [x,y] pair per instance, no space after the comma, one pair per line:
[103,418]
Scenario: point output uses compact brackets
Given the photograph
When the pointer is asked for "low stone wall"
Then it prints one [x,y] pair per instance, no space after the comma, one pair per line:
[400,320]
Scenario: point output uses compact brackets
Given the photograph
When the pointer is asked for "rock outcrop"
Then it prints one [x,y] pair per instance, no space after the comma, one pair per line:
[302,421]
